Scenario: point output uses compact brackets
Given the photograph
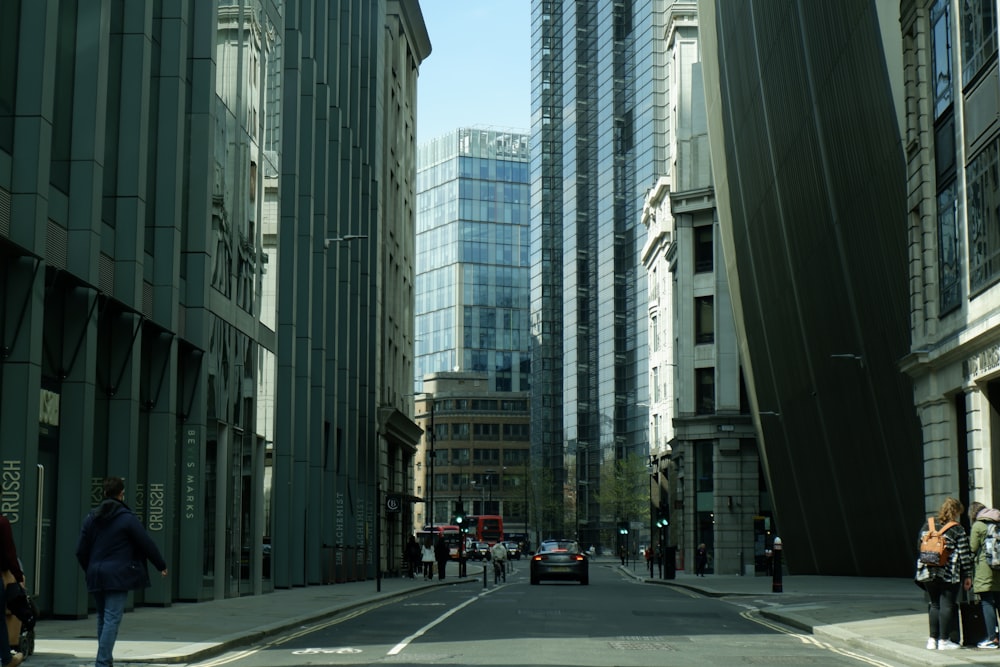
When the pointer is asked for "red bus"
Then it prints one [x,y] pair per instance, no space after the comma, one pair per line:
[487,528]
[451,534]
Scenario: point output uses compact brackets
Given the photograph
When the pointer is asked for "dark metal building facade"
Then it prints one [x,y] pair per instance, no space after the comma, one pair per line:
[811,185]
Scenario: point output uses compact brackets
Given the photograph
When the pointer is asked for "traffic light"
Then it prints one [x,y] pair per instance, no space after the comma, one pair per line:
[460,517]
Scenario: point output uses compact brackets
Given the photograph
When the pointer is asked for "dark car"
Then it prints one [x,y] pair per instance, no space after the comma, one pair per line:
[478,550]
[513,550]
[560,559]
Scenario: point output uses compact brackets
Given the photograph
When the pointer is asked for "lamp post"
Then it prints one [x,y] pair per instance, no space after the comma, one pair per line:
[527,514]
[489,479]
[430,468]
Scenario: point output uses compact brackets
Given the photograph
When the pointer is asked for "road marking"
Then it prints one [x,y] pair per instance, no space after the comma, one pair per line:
[304,630]
[752,615]
[344,650]
[416,635]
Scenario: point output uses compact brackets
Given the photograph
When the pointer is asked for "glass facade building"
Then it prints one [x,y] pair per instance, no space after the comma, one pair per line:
[597,146]
[183,312]
[472,257]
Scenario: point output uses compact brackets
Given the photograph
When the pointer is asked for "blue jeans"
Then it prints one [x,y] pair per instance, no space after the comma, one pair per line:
[990,600]
[110,608]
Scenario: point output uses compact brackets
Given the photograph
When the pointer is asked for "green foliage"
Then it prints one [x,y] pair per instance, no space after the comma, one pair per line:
[624,492]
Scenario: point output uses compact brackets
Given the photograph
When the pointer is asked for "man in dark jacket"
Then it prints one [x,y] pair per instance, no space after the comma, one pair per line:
[441,555]
[113,550]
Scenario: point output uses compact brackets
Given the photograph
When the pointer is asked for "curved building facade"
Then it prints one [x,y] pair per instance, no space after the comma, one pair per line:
[811,188]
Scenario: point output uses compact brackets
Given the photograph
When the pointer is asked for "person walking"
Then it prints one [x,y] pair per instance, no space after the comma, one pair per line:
[427,558]
[441,555]
[943,582]
[113,550]
[8,563]
[701,560]
[411,555]
[985,580]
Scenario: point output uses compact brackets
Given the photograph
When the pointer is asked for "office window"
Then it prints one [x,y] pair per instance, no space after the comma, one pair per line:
[984,219]
[460,456]
[704,465]
[703,249]
[979,36]
[941,55]
[704,319]
[949,269]
[705,391]
[10,19]
[486,432]
[486,456]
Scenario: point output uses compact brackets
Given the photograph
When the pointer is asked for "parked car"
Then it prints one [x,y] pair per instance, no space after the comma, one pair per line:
[559,559]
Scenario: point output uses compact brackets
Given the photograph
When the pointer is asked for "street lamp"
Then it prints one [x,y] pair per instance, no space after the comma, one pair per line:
[345,237]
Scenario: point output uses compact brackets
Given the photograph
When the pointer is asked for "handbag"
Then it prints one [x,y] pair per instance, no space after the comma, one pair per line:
[17,601]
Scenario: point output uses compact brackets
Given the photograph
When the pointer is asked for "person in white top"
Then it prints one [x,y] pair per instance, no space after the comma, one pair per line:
[427,559]
[499,556]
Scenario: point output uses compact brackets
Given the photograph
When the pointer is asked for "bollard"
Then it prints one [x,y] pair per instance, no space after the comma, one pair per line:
[484,575]
[776,567]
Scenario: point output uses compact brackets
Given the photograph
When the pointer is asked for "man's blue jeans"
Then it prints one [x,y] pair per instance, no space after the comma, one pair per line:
[110,608]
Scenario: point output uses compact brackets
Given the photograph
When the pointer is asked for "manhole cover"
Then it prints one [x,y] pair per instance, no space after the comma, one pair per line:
[641,644]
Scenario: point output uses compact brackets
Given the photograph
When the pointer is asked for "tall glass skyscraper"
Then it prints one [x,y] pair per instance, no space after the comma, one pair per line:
[472,257]
[597,146]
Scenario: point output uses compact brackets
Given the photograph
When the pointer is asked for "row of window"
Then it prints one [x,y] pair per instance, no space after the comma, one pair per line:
[462,456]
[480,483]
[481,432]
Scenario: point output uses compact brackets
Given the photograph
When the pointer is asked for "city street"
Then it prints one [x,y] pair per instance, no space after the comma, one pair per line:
[613,621]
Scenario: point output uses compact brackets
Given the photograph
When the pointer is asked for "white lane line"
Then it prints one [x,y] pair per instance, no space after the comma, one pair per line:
[403,644]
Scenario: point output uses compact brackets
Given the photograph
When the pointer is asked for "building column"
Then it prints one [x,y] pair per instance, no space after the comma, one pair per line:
[937,420]
[74,475]
[160,455]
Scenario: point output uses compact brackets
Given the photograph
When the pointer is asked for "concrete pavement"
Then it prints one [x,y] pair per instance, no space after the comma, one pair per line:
[883,617]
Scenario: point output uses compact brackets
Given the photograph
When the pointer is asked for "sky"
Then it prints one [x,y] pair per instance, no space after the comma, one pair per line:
[479,69]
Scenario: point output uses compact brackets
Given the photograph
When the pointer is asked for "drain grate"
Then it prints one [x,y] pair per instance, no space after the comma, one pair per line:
[641,644]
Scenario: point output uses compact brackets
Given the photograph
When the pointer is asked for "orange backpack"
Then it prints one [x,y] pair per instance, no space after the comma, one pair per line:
[933,548]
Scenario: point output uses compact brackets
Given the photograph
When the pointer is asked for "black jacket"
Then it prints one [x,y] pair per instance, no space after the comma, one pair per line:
[114,547]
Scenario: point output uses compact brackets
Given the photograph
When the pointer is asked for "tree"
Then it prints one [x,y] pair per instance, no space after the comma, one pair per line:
[624,490]
[548,504]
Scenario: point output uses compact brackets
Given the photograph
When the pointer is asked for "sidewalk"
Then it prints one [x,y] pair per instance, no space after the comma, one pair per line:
[884,617]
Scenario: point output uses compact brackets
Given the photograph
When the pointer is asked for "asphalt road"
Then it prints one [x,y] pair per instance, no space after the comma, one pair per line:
[612,622]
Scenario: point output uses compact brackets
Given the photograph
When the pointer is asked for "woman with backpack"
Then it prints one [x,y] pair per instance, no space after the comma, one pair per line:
[944,565]
[983,540]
